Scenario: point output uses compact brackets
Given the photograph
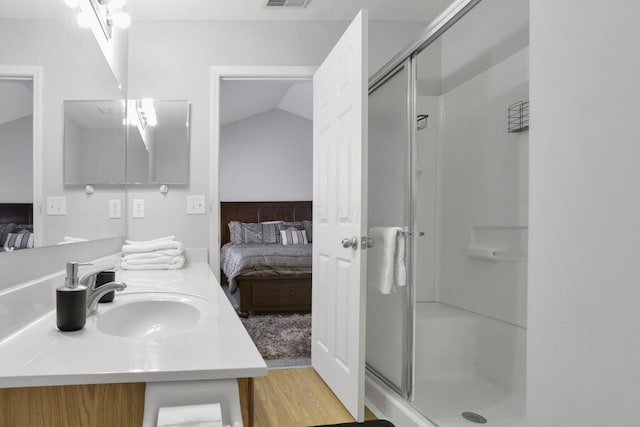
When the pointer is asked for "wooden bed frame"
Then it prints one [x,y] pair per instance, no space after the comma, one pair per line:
[268,293]
[17,213]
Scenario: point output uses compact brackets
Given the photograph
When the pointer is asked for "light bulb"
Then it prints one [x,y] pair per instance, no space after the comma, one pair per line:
[72,3]
[122,19]
[152,121]
[83,20]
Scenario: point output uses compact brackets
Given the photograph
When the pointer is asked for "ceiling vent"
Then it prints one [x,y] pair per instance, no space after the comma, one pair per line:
[288,3]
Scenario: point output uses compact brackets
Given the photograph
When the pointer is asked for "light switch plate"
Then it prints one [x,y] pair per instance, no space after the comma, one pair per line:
[56,205]
[115,208]
[138,208]
[196,205]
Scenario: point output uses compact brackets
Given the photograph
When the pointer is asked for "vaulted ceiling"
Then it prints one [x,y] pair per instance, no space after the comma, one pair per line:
[245,98]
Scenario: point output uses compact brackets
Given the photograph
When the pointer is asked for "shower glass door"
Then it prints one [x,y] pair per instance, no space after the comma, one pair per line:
[389,323]
[471,187]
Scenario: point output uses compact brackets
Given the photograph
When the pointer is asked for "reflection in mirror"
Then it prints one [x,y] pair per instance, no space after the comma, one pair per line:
[69,60]
[158,142]
[94,146]
[139,135]
[16,148]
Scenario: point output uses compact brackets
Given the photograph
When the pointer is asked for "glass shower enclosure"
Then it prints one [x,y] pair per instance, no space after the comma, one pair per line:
[448,164]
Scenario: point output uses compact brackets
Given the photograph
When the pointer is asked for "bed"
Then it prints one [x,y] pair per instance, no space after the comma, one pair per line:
[16,226]
[270,277]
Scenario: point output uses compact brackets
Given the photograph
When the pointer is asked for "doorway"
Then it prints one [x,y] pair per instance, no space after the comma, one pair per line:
[265,185]
[230,74]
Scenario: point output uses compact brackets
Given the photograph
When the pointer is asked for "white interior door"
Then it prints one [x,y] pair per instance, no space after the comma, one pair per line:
[339,214]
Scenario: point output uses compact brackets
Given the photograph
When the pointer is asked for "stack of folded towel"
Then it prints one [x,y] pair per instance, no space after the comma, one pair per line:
[208,415]
[165,253]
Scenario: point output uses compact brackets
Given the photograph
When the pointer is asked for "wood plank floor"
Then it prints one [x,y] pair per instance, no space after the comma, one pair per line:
[295,397]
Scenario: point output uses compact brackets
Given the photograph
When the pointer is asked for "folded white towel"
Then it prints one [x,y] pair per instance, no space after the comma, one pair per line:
[387,259]
[209,415]
[155,260]
[176,264]
[152,255]
[155,246]
[144,242]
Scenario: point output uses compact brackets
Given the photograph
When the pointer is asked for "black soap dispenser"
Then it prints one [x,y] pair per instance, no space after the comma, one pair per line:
[71,301]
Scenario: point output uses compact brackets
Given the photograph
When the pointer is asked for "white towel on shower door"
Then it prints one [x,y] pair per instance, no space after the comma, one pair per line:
[387,259]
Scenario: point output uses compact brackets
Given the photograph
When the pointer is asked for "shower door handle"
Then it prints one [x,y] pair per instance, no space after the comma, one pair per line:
[350,243]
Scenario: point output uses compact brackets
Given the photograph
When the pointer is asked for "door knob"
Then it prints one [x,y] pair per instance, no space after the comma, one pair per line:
[350,243]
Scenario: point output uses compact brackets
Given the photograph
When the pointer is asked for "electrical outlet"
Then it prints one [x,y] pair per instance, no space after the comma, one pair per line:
[56,205]
[196,205]
[138,208]
[115,208]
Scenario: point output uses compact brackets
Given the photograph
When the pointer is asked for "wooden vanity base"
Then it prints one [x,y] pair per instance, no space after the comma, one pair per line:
[90,405]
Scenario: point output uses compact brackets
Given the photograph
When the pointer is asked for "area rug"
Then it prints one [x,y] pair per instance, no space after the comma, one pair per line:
[283,339]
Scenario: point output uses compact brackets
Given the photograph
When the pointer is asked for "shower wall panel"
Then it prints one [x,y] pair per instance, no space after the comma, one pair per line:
[483,194]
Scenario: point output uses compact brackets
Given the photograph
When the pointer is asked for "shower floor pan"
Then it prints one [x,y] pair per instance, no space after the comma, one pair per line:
[466,362]
[444,401]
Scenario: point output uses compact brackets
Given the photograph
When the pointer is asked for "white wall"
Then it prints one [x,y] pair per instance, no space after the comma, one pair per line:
[72,68]
[16,152]
[267,157]
[584,264]
[173,60]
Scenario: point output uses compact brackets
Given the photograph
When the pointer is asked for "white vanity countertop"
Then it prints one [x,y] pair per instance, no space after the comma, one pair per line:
[218,348]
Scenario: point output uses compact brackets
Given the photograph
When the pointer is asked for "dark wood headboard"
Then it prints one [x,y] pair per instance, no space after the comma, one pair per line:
[260,212]
[17,213]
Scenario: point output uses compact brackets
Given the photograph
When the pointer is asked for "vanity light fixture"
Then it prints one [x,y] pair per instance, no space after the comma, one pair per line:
[113,13]
[110,13]
[164,189]
[88,189]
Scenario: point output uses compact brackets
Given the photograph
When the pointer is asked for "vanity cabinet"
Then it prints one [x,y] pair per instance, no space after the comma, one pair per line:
[86,405]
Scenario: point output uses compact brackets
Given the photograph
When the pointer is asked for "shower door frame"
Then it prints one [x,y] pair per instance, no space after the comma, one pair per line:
[407,57]
[409,67]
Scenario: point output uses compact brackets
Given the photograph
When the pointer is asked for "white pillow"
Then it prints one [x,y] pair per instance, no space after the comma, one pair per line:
[293,237]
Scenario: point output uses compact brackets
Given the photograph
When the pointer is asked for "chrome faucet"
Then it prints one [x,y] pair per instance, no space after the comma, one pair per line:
[94,294]
[89,279]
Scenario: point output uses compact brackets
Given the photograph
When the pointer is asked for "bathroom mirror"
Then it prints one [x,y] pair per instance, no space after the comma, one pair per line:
[71,66]
[94,145]
[158,142]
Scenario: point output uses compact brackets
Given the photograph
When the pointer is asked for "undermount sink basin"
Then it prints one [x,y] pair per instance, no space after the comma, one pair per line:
[151,315]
